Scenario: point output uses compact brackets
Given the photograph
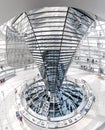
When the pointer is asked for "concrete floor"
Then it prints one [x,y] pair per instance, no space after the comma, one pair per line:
[94,120]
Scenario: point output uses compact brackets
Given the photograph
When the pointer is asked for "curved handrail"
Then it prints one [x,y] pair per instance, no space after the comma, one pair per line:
[74,116]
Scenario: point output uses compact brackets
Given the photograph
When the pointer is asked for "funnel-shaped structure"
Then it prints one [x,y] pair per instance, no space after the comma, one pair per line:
[51,36]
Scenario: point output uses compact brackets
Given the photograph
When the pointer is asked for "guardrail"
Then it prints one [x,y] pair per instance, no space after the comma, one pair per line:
[57,122]
[8,73]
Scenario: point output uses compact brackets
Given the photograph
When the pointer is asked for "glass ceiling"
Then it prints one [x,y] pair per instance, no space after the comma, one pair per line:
[91,52]
[91,47]
[37,30]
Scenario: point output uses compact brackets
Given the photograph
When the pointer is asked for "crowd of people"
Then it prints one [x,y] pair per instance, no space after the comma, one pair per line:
[19,116]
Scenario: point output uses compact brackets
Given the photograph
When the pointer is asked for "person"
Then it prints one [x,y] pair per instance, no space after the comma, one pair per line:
[1,67]
[17,114]
[92,61]
[94,98]
[34,80]
[2,93]
[15,90]
[20,118]
[0,81]
[87,59]
[38,75]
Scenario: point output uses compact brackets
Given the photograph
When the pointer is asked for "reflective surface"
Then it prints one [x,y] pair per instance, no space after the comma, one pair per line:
[65,108]
[64,102]
[52,36]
